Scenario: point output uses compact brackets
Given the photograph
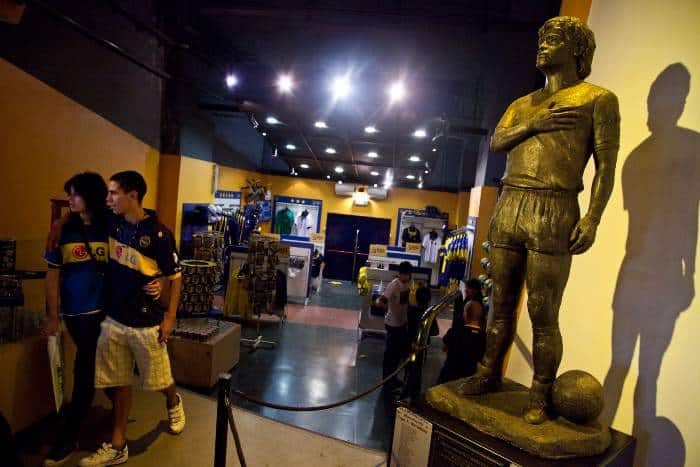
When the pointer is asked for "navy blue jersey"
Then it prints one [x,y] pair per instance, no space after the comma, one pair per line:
[138,253]
[82,276]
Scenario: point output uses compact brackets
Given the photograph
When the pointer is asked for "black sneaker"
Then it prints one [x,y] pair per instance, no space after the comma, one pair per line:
[60,453]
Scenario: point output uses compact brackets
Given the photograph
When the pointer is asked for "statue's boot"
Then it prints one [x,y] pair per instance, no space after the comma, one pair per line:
[538,408]
[484,380]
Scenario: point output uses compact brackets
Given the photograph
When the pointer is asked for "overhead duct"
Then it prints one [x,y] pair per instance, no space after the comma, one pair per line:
[346,189]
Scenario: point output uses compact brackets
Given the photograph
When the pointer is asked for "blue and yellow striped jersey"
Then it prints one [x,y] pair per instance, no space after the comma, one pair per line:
[138,254]
[82,282]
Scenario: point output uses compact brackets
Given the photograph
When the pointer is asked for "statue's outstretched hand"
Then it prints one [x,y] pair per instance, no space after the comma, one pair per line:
[582,236]
[561,118]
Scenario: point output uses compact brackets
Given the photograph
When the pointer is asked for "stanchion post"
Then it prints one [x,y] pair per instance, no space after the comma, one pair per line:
[221,439]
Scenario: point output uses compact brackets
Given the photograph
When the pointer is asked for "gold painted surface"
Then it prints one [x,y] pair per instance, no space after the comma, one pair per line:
[550,136]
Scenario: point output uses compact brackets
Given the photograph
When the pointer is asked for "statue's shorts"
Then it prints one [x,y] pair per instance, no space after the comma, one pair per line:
[538,220]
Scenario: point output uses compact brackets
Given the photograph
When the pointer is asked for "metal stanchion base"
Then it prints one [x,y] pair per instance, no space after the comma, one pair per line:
[258,342]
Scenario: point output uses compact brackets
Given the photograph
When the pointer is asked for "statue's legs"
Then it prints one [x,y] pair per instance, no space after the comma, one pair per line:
[508,268]
[546,279]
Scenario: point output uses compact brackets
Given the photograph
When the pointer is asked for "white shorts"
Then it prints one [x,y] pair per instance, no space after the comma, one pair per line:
[120,346]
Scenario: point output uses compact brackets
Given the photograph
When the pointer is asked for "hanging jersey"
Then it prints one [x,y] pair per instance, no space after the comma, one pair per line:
[82,276]
[137,255]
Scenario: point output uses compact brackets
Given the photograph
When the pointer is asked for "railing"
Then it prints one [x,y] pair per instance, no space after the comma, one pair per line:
[224,412]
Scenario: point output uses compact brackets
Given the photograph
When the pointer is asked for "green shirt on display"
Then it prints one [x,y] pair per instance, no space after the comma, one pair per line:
[284,221]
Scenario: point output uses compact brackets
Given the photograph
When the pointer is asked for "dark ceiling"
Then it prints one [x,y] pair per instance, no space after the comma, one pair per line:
[446,53]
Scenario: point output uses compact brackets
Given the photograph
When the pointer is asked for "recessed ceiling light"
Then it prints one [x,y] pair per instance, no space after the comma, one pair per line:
[231,80]
[304,166]
[272,120]
[434,149]
[426,171]
[396,91]
[320,124]
[414,159]
[291,147]
[411,177]
[341,87]
[370,129]
[264,133]
[339,170]
[340,182]
[420,133]
[374,173]
[375,185]
[328,177]
[372,155]
[330,150]
[285,84]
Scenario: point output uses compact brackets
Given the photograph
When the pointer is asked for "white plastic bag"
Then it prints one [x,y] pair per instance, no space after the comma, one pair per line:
[57,369]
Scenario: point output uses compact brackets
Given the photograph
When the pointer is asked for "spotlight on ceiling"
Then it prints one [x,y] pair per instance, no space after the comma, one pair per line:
[414,159]
[341,87]
[375,185]
[420,185]
[371,129]
[231,80]
[320,124]
[339,170]
[420,133]
[264,133]
[304,166]
[274,151]
[340,182]
[330,150]
[411,177]
[426,171]
[271,120]
[285,84]
[328,177]
[434,149]
[374,173]
[372,155]
[290,147]
[396,91]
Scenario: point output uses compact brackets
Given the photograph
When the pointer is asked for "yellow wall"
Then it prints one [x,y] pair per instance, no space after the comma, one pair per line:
[45,138]
[233,179]
[651,300]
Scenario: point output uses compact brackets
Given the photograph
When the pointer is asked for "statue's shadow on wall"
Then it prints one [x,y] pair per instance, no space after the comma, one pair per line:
[656,280]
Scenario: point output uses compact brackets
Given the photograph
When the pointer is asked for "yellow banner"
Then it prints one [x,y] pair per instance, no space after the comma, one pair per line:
[413,248]
[317,238]
[377,250]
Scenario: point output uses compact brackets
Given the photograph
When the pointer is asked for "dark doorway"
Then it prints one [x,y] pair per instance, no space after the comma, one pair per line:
[342,231]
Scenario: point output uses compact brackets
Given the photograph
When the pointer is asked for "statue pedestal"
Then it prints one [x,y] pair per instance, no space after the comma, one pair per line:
[454,443]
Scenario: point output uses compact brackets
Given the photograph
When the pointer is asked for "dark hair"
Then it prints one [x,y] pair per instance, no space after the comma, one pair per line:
[476,285]
[423,295]
[405,267]
[130,180]
[92,188]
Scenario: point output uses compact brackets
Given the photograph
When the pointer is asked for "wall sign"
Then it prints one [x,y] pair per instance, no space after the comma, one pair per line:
[377,250]
[413,248]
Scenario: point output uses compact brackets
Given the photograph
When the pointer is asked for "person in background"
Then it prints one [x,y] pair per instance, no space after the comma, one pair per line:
[317,265]
[136,328]
[394,299]
[465,341]
[415,313]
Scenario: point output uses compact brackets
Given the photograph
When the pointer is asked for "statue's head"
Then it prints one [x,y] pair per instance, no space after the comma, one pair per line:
[575,36]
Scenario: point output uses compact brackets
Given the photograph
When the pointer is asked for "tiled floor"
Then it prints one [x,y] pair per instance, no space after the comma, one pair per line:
[318,359]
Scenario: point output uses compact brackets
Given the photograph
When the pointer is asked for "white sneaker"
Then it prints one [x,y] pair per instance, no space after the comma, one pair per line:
[106,455]
[176,417]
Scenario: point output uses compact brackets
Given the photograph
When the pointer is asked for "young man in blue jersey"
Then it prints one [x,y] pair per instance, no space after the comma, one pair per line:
[136,328]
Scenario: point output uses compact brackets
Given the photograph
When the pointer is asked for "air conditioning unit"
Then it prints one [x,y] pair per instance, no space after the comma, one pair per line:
[346,189]
[377,193]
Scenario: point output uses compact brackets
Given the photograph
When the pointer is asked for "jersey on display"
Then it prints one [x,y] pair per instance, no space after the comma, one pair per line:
[82,281]
[138,254]
[303,226]
[410,235]
[284,221]
[431,247]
